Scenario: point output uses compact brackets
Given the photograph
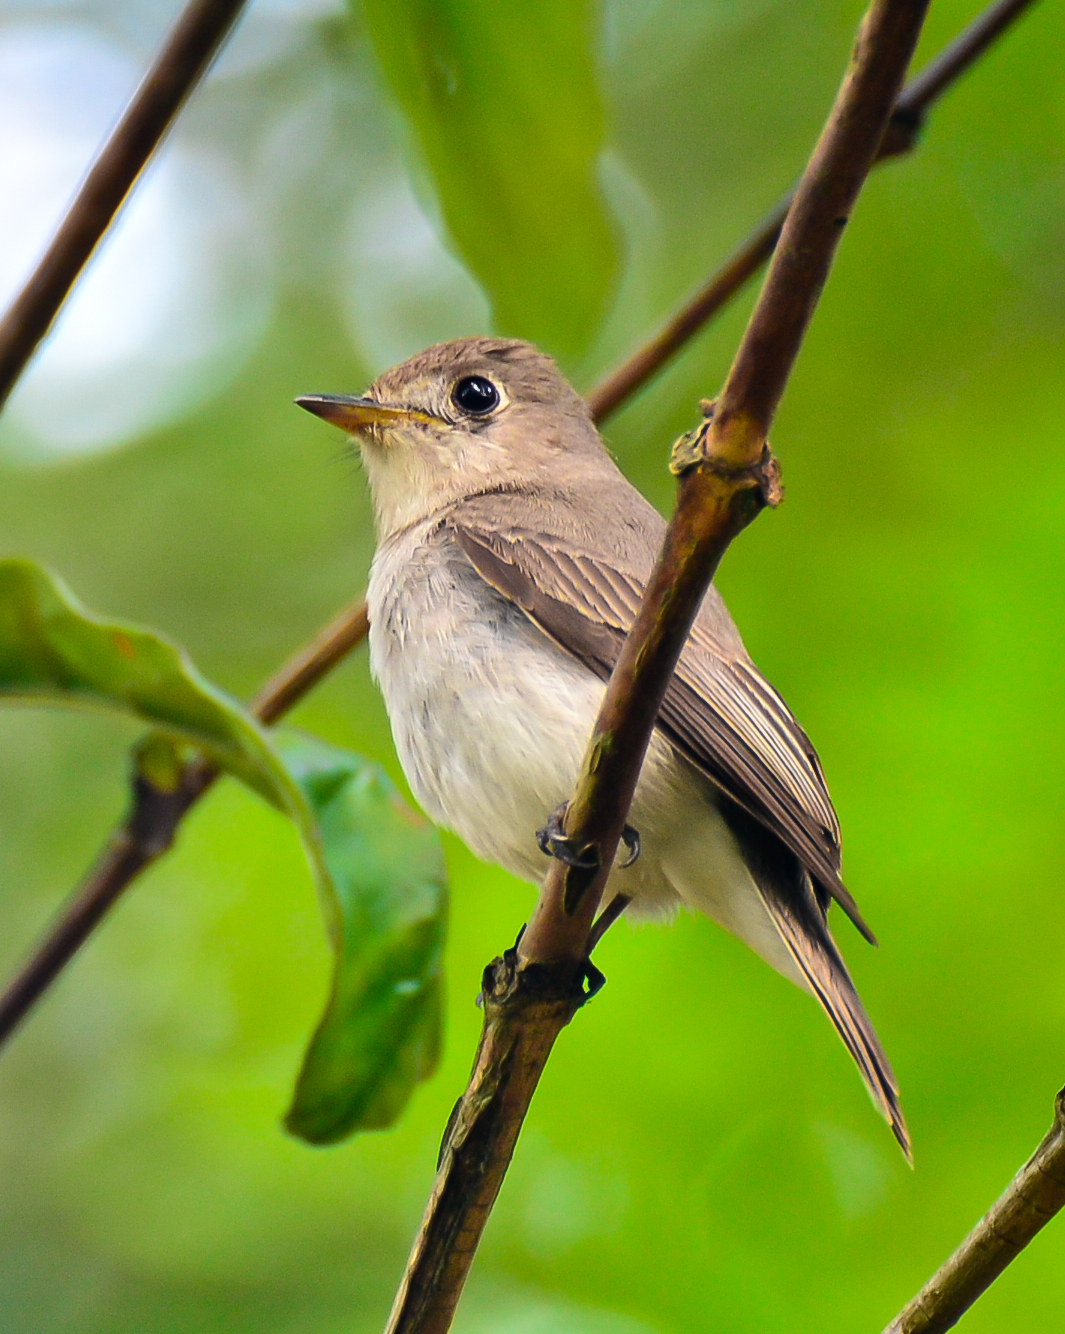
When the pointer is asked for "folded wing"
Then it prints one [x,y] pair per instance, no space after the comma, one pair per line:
[719,712]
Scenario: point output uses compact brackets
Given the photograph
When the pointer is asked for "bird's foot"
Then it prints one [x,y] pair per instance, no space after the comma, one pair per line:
[555,842]
[593,981]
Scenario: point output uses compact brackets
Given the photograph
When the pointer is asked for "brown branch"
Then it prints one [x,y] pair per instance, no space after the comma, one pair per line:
[907,118]
[728,475]
[1028,1203]
[524,1011]
[148,830]
[187,52]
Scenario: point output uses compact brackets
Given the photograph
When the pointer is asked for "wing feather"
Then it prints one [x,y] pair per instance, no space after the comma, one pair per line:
[719,712]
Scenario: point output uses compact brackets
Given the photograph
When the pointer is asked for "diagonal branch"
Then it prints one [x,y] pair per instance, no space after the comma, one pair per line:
[1028,1203]
[728,475]
[186,54]
[901,137]
[121,862]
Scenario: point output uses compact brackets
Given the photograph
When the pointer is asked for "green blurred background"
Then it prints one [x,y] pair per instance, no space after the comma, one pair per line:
[345,188]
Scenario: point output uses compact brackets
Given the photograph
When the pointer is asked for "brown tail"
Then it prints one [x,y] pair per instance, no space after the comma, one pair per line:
[806,935]
[798,911]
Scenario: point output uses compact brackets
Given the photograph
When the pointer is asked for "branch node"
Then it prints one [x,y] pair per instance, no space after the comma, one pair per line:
[692,450]
[689,450]
[510,983]
[596,980]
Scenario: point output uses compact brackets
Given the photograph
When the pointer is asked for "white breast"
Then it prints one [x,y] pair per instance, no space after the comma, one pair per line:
[489,718]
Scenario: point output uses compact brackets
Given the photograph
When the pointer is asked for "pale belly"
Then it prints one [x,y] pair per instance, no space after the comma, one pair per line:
[490,720]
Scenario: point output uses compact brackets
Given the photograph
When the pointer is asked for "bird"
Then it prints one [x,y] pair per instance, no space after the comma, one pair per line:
[511,557]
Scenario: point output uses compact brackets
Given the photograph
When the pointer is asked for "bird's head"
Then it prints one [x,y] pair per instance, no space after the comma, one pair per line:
[461,418]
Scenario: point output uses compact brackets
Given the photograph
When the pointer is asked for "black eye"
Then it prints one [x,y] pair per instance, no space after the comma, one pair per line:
[475,395]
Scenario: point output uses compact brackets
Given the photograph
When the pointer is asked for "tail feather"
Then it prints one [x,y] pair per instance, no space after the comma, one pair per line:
[816,956]
[798,908]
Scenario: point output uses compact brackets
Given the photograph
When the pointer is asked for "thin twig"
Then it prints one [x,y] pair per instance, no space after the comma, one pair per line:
[133,846]
[729,475]
[606,919]
[1028,1203]
[944,69]
[149,828]
[308,665]
[907,117]
[187,52]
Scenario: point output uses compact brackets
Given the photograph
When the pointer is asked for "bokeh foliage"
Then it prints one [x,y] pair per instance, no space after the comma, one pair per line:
[378,866]
[506,111]
[700,1154]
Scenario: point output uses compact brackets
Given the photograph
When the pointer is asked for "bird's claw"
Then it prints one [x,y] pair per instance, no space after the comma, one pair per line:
[631,838]
[555,842]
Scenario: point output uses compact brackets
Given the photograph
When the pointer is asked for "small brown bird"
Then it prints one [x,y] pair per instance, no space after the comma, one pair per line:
[511,558]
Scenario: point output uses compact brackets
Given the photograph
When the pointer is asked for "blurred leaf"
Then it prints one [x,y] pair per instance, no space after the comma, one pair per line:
[503,103]
[52,650]
[386,899]
[378,865]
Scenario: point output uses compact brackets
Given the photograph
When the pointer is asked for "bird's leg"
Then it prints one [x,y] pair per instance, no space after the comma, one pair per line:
[606,919]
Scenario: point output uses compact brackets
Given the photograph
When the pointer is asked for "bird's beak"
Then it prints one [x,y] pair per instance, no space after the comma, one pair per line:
[356,415]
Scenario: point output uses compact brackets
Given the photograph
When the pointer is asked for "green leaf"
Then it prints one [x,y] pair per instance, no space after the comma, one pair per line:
[52,650]
[387,904]
[378,865]
[503,104]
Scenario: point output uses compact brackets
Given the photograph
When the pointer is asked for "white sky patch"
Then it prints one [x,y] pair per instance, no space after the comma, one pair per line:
[401,288]
[177,295]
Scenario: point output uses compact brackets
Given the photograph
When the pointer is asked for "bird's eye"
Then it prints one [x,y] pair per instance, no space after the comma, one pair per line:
[475,394]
